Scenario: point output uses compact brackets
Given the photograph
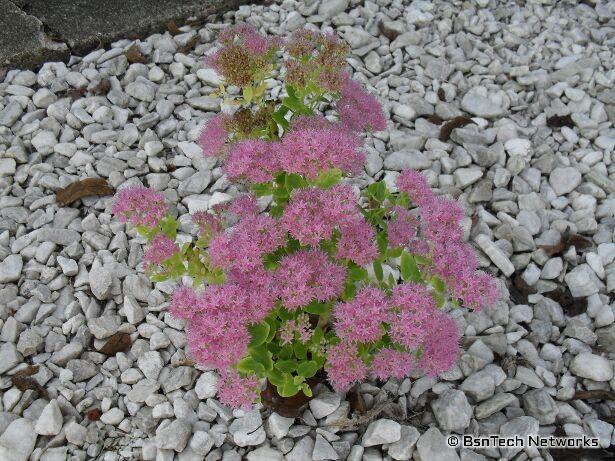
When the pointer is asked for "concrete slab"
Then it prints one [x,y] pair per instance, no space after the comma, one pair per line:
[28,26]
[22,40]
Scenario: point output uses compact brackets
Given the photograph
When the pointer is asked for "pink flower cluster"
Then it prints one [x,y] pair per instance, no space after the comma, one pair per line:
[312,145]
[357,242]
[300,327]
[309,148]
[214,135]
[316,58]
[160,249]
[411,319]
[140,206]
[403,227]
[254,160]
[359,110]
[360,320]
[237,391]
[217,330]
[344,366]
[243,246]
[453,260]
[312,213]
[392,363]
[244,56]
[308,275]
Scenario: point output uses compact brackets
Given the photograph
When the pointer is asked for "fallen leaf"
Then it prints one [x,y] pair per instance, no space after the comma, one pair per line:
[441,94]
[119,342]
[599,394]
[289,407]
[74,93]
[194,41]
[388,33]
[572,306]
[25,382]
[435,119]
[28,371]
[449,126]
[567,240]
[172,28]
[94,414]
[520,290]
[134,55]
[558,121]
[83,188]
[102,88]
[357,402]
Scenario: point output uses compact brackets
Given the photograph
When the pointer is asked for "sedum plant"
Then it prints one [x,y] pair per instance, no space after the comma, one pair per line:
[321,279]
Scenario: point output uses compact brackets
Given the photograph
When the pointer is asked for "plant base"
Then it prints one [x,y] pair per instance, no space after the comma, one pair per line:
[289,407]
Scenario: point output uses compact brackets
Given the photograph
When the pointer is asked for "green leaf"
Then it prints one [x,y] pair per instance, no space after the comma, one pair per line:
[168,225]
[295,181]
[440,299]
[291,91]
[307,390]
[263,188]
[276,377]
[383,242]
[300,351]
[249,365]
[288,389]
[287,366]
[259,333]
[317,336]
[438,284]
[284,314]
[394,252]
[248,93]
[276,211]
[280,120]
[357,274]
[261,355]
[286,352]
[409,269]
[378,270]
[381,191]
[273,329]
[317,308]
[328,178]
[281,194]
[307,369]
[350,290]
[295,105]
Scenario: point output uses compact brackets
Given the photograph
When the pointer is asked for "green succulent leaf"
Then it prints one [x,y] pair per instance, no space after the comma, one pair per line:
[276,377]
[286,366]
[328,178]
[262,188]
[409,269]
[300,351]
[307,390]
[262,355]
[288,389]
[168,225]
[317,308]
[378,272]
[295,181]
[307,369]
[249,365]
[259,333]
[357,274]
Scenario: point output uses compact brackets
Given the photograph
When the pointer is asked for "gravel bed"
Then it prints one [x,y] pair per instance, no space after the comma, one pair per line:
[533,167]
